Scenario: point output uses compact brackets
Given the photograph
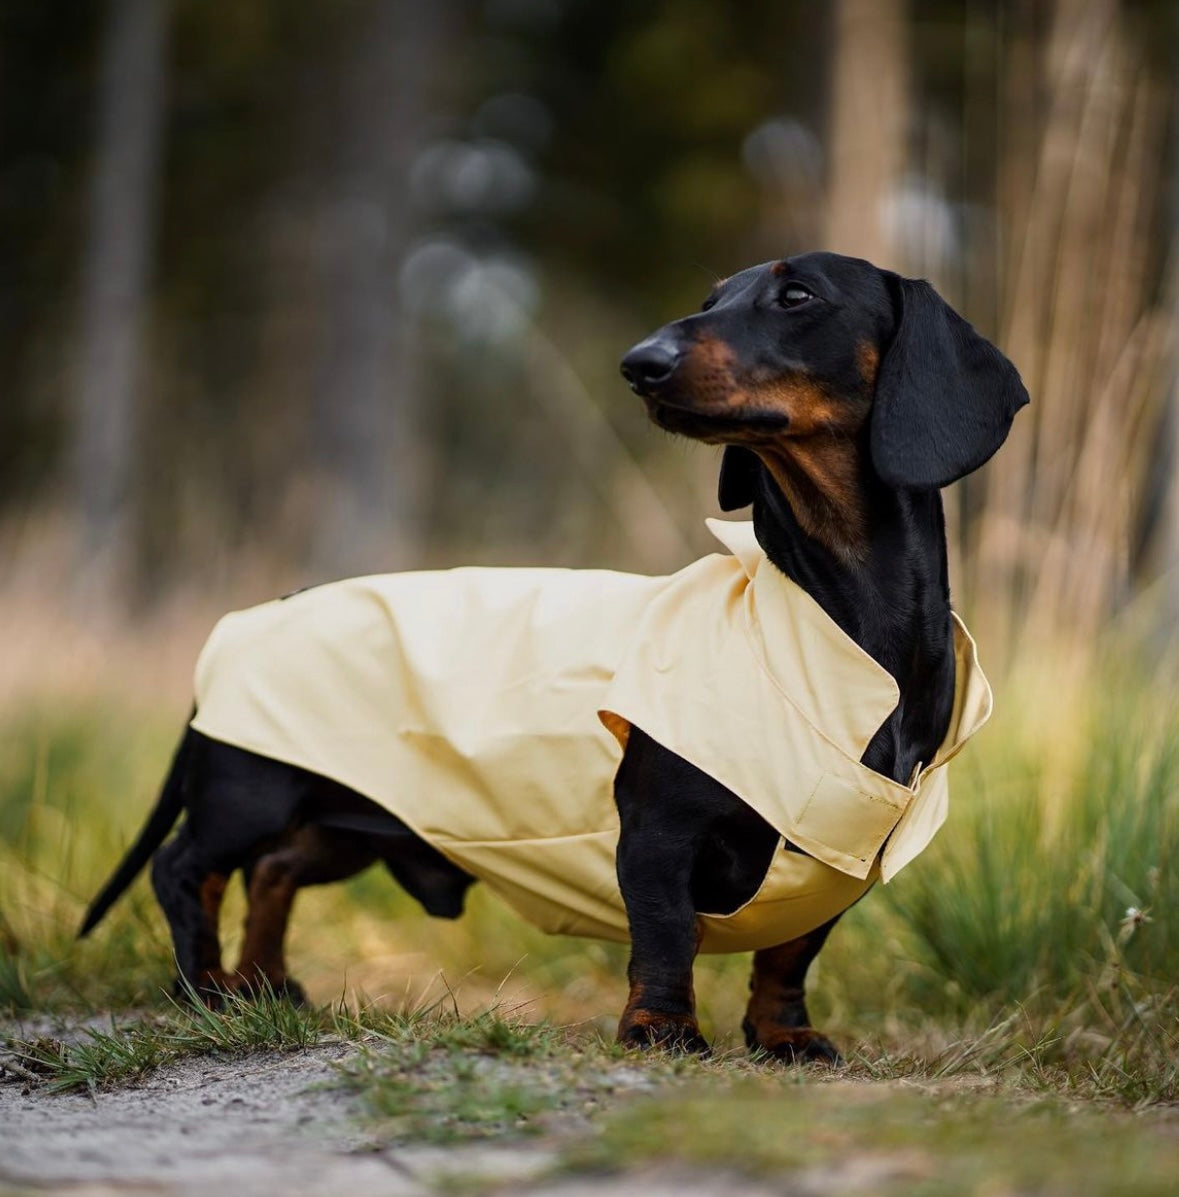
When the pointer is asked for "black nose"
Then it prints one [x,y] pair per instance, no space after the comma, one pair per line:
[650,363]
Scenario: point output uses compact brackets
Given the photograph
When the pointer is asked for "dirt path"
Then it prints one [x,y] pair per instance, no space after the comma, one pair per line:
[265,1125]
[198,1124]
[281,1122]
[271,1124]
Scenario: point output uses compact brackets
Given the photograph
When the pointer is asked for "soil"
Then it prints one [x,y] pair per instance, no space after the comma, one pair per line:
[280,1122]
[270,1124]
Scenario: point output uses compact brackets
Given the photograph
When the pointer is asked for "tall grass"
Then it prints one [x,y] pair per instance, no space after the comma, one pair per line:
[72,784]
[1057,871]
[1055,533]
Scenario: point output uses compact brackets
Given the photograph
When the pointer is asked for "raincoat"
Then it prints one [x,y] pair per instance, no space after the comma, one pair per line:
[488,710]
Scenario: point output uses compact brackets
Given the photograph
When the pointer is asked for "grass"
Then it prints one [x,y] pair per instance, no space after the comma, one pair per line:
[981,1117]
[839,1137]
[98,1060]
[93,1059]
[1058,874]
[446,1079]
[388,1041]
[73,781]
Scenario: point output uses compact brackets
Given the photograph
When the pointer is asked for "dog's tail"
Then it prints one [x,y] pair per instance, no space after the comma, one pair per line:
[161,820]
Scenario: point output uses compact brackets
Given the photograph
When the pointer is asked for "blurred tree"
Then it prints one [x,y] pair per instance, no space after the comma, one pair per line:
[389,234]
[115,269]
[1168,481]
[868,128]
[649,187]
[366,447]
[45,74]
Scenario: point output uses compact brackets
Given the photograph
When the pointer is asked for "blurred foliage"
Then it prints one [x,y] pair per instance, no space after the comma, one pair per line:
[585,170]
[637,117]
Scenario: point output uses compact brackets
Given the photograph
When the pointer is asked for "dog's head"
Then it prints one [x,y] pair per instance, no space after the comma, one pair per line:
[807,360]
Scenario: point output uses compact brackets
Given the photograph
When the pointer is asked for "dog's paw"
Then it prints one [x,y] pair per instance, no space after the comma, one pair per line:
[644,1030]
[792,1045]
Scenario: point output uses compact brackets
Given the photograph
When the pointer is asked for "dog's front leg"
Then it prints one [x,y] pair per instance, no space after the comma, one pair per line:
[661,1008]
[655,859]
[776,1021]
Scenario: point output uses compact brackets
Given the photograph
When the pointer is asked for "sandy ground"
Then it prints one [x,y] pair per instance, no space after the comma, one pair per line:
[271,1124]
[280,1123]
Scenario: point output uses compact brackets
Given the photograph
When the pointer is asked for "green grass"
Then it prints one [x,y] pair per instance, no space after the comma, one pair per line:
[388,1041]
[94,1059]
[1034,888]
[979,1118]
[440,1078]
[887,1140]
[73,786]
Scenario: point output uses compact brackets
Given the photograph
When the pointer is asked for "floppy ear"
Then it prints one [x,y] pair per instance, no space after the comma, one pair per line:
[945,397]
[737,484]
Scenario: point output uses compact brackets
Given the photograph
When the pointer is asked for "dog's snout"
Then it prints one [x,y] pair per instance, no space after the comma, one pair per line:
[650,363]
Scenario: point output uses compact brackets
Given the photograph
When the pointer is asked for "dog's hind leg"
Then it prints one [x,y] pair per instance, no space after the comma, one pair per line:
[190,896]
[237,803]
[776,1020]
[313,855]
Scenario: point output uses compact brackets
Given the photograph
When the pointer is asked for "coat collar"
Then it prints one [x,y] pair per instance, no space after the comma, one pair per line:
[844,693]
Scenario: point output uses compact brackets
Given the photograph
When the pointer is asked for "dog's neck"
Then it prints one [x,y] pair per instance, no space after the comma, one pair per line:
[892,599]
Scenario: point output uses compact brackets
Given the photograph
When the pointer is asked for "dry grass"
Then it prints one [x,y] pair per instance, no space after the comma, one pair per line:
[1053,540]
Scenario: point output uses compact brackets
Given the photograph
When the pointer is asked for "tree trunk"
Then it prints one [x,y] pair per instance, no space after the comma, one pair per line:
[366,445]
[114,280]
[868,127]
[1169,538]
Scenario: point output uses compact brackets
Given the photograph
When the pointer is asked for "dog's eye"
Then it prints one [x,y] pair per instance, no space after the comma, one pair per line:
[710,302]
[793,296]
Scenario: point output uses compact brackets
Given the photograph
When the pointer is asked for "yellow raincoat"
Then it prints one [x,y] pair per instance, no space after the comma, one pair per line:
[487,709]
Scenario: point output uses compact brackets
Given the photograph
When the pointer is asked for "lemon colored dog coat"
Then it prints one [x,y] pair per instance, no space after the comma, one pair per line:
[488,708]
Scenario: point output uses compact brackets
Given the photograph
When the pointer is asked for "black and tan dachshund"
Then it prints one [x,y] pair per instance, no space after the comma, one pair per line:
[846,396]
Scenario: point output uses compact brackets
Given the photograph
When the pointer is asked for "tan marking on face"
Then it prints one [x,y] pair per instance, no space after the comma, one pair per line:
[808,407]
[868,361]
[779,268]
[709,357]
[707,372]
[815,460]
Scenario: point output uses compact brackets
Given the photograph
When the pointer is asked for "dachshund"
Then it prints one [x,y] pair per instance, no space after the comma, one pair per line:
[845,397]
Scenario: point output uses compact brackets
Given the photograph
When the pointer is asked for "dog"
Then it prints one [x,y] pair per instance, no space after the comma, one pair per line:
[726,759]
